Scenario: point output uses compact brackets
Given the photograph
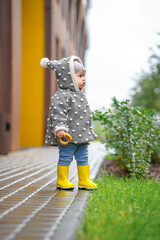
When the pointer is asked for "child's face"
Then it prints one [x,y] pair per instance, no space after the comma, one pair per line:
[80,77]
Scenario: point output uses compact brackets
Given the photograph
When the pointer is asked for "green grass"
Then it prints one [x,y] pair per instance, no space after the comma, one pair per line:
[122,209]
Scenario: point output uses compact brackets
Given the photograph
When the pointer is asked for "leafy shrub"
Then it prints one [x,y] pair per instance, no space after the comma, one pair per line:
[131,132]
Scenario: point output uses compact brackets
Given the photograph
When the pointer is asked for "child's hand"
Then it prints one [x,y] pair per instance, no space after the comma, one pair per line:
[61,133]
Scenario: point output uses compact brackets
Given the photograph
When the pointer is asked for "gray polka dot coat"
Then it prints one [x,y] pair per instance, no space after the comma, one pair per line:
[69,109]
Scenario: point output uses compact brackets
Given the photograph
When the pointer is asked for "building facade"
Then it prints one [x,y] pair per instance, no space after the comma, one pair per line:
[30,30]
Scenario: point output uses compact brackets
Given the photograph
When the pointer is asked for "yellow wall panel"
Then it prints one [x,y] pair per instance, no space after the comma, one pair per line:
[32,81]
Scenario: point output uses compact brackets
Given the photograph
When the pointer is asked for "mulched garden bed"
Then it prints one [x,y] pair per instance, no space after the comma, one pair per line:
[111,167]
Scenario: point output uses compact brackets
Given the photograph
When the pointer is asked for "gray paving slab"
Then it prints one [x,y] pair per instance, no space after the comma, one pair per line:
[31,206]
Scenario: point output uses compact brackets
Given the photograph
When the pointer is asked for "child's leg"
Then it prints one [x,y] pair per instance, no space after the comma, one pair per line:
[65,158]
[81,155]
[66,154]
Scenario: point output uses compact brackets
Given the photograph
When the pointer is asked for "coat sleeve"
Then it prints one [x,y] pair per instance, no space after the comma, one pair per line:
[60,107]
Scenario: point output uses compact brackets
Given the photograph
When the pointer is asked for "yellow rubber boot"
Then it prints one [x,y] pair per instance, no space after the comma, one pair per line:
[62,178]
[85,182]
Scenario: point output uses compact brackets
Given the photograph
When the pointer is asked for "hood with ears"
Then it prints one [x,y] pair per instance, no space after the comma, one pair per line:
[65,74]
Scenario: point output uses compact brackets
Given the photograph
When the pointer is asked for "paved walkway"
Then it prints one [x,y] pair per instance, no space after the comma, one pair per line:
[30,205]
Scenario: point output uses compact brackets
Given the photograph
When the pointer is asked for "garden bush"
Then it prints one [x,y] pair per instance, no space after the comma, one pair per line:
[131,132]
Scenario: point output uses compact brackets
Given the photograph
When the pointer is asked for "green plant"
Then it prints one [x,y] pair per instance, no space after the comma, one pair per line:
[123,209]
[130,131]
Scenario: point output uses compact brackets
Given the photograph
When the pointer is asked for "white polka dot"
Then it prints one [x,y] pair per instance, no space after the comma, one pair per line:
[87,139]
[64,93]
[75,95]
[61,85]
[81,117]
[75,142]
[80,135]
[65,110]
[52,67]
[61,113]
[51,114]
[61,122]
[64,79]
[75,113]
[54,107]
[81,99]
[59,74]
[69,73]
[70,119]
[85,111]
[73,100]
[63,67]
[57,80]
[90,127]
[71,84]
[57,97]
[79,106]
[49,136]
[89,133]
[90,116]
[73,130]
[84,129]
[55,69]
[87,122]
[77,124]
[61,103]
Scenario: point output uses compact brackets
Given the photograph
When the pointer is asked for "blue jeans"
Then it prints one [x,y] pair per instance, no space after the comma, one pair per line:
[66,153]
